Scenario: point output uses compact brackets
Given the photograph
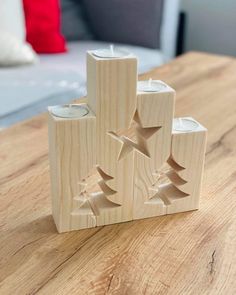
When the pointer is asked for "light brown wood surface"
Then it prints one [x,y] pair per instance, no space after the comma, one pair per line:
[185,253]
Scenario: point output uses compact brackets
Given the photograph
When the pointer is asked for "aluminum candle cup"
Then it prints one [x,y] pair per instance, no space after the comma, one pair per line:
[184,124]
[69,111]
[110,52]
[151,86]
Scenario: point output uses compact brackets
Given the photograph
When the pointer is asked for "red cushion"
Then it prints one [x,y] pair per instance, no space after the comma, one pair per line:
[42,19]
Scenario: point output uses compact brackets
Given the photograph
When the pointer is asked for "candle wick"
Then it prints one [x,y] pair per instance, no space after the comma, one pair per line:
[112,49]
[150,83]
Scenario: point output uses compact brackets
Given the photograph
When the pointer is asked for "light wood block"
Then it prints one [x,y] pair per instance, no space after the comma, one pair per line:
[154,117]
[111,91]
[72,145]
[187,162]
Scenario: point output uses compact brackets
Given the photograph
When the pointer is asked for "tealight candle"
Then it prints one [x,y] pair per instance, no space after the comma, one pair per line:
[184,124]
[69,111]
[151,86]
[110,52]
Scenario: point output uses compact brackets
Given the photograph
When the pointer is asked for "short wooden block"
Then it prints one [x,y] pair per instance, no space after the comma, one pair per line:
[72,145]
[154,117]
[187,162]
[182,183]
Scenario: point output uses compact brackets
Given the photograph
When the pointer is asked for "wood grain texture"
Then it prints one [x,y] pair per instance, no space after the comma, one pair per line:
[184,253]
[185,174]
[114,105]
[72,146]
[154,118]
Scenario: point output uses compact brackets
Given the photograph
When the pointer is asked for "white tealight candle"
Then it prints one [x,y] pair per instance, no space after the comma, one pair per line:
[69,111]
[151,86]
[184,124]
[110,52]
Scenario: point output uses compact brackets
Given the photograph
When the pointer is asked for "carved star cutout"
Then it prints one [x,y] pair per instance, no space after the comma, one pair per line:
[142,135]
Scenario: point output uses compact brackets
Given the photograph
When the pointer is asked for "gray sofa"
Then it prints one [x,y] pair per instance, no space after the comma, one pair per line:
[57,79]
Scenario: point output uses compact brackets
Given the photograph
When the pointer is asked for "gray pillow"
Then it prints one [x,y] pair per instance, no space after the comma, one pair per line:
[74,25]
[136,22]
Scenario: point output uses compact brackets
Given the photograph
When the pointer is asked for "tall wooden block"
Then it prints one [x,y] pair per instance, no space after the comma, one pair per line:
[72,145]
[187,162]
[111,87]
[154,117]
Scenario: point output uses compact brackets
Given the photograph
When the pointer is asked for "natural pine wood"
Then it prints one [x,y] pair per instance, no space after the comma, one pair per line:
[112,87]
[184,253]
[154,117]
[72,144]
[187,161]
[132,139]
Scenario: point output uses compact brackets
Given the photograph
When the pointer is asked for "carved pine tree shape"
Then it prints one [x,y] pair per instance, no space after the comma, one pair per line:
[93,194]
[167,185]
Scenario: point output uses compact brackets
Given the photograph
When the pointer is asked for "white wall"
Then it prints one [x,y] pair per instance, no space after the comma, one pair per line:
[211,25]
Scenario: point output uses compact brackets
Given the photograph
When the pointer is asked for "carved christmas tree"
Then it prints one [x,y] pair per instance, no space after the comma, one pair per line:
[109,155]
[93,193]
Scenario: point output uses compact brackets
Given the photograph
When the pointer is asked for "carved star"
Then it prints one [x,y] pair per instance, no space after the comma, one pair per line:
[128,145]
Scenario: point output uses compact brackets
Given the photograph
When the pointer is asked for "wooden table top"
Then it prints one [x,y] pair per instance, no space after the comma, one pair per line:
[186,253]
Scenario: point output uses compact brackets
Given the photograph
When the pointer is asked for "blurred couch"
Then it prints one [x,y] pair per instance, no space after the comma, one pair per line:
[147,28]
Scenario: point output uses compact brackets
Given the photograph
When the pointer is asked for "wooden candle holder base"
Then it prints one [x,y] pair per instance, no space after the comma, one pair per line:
[123,160]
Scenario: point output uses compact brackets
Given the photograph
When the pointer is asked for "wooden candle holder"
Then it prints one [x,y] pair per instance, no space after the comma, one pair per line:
[122,160]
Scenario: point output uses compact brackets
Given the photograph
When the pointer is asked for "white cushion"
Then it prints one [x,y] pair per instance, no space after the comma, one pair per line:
[14,51]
